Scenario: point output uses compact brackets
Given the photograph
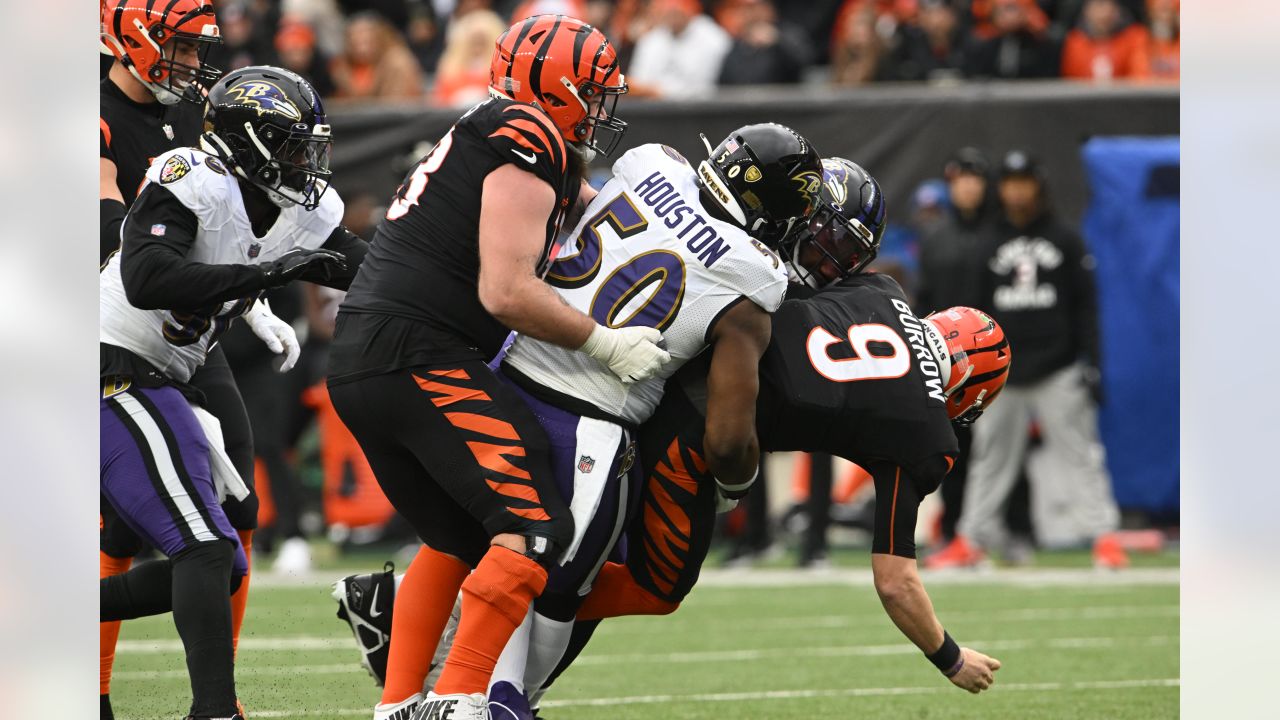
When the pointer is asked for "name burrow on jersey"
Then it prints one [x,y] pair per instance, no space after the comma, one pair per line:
[919,339]
[660,194]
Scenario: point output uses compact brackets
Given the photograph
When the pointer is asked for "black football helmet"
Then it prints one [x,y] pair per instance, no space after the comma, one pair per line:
[268,126]
[766,177]
[843,235]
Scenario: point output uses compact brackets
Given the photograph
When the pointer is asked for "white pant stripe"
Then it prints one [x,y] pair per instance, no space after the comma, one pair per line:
[164,462]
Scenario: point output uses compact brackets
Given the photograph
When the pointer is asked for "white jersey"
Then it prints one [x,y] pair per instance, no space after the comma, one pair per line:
[648,253]
[177,343]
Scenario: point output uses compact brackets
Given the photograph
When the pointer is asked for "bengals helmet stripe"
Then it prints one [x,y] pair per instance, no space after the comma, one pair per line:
[977,360]
[525,29]
[540,58]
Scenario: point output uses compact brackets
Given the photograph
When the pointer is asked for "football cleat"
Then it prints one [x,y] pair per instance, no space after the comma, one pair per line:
[459,706]
[508,703]
[1109,554]
[365,602]
[958,553]
[403,710]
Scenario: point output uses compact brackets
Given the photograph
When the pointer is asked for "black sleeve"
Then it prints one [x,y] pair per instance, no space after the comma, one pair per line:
[1084,297]
[897,504]
[111,214]
[158,232]
[353,248]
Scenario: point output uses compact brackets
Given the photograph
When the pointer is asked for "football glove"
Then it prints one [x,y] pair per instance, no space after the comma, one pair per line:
[632,353]
[276,333]
[318,264]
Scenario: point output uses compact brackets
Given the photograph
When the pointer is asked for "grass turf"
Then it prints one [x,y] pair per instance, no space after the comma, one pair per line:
[799,650]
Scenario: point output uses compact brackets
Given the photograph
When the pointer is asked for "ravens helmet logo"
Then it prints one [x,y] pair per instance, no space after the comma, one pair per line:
[265,97]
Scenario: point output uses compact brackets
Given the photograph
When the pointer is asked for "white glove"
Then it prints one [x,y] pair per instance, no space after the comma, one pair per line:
[632,353]
[724,504]
[276,333]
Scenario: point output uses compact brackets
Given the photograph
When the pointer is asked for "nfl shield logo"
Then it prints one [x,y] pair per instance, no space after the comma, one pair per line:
[158,229]
[168,131]
[254,249]
[586,463]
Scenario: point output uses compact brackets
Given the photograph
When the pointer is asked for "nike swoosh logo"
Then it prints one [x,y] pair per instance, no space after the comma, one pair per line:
[373,603]
[528,158]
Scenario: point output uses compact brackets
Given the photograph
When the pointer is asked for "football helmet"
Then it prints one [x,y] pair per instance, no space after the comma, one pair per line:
[766,177]
[569,70]
[268,125]
[143,35]
[974,357]
[843,235]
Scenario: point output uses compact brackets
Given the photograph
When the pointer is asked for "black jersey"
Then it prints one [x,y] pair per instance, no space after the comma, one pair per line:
[132,134]
[415,299]
[847,372]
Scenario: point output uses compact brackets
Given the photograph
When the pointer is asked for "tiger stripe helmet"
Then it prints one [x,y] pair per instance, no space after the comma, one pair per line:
[974,356]
[569,70]
[142,35]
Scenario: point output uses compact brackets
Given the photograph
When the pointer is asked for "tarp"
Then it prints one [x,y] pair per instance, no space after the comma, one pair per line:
[1132,228]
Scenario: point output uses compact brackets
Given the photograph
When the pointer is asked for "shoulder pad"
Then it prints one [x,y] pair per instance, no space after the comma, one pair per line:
[754,271]
[199,180]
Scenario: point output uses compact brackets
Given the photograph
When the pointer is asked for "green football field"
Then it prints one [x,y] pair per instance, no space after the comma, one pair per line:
[747,644]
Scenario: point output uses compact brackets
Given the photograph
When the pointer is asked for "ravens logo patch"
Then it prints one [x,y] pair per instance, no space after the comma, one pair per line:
[175,168]
[214,165]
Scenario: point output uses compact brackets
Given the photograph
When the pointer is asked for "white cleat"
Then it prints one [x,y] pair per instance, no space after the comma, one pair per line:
[453,707]
[403,710]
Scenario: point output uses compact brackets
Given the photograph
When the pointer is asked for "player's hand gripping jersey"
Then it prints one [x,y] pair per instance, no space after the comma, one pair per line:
[209,209]
[849,371]
[645,253]
[423,262]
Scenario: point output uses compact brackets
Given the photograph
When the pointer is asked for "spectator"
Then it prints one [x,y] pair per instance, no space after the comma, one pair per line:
[425,36]
[463,75]
[1105,45]
[858,51]
[764,51]
[1161,39]
[1017,48]
[377,63]
[929,48]
[681,53]
[1037,282]
[241,24]
[296,48]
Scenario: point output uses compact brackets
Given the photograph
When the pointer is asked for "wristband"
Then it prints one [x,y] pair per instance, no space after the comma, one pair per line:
[734,491]
[947,658]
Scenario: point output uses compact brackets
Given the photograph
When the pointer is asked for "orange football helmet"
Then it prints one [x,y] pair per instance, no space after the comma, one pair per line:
[569,70]
[142,34]
[977,358]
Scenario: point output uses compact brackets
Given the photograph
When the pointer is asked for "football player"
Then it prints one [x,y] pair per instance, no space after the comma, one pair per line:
[152,101]
[850,371]
[666,246]
[456,265]
[210,230]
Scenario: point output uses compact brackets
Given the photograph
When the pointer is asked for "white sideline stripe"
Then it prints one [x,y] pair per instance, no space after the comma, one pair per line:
[793,577]
[704,656]
[765,695]
[298,642]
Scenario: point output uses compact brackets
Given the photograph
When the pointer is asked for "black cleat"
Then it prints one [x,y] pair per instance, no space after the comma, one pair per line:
[365,602]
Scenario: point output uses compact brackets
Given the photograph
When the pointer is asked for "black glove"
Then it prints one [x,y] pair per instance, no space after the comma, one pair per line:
[318,265]
[1092,378]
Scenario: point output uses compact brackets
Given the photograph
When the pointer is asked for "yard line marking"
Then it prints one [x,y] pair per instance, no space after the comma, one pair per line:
[296,642]
[742,655]
[767,695]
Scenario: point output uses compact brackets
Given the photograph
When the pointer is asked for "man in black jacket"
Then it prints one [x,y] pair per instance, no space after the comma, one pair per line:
[1037,282]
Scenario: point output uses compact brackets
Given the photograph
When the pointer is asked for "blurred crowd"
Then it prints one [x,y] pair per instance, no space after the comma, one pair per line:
[438,51]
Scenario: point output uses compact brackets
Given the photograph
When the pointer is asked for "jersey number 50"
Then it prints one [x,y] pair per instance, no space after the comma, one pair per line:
[626,286]
[864,365]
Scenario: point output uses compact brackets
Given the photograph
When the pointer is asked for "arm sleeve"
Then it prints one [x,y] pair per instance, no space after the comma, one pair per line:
[158,232]
[897,504]
[111,213]
[353,248]
[1084,307]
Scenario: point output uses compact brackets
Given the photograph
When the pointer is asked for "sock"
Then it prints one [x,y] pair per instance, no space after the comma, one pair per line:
[104,708]
[547,643]
[615,592]
[143,591]
[108,632]
[424,600]
[495,599]
[582,632]
[515,656]
[240,598]
[202,614]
